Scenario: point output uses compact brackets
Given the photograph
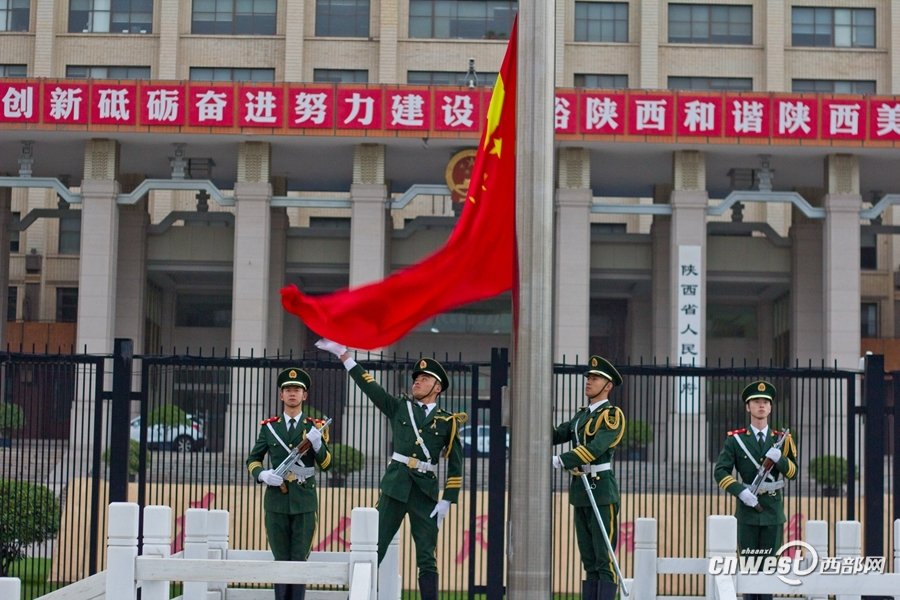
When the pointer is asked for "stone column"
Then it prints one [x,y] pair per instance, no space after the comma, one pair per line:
[649,48]
[687,298]
[169,22]
[893,49]
[44,23]
[294,22]
[5,219]
[775,14]
[660,236]
[131,273]
[807,306]
[370,216]
[572,288]
[252,248]
[389,16]
[277,260]
[841,256]
[99,248]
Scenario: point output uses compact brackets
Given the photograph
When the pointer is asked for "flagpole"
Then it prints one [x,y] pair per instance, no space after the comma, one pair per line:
[530,544]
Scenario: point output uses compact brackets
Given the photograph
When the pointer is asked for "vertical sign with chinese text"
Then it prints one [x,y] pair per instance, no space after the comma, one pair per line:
[689,298]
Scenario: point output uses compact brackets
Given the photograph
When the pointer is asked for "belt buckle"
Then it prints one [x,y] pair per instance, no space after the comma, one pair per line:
[413,463]
[290,476]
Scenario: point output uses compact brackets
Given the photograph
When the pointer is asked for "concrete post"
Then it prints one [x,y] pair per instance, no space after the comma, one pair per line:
[817,537]
[218,534]
[364,542]
[11,588]
[157,543]
[848,542]
[645,554]
[389,579]
[121,550]
[721,541]
[196,545]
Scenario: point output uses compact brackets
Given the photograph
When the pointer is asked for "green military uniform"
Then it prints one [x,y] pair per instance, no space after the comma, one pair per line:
[595,434]
[760,532]
[291,511]
[410,485]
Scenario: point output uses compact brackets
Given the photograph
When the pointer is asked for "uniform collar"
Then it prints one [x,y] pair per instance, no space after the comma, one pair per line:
[756,432]
[597,404]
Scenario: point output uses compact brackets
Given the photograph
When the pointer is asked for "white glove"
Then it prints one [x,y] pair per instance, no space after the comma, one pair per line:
[315,438]
[333,347]
[773,454]
[748,498]
[269,477]
[557,462]
[440,509]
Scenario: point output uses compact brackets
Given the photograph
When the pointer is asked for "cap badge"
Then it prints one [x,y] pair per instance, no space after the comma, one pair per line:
[761,387]
[593,362]
[292,374]
[422,364]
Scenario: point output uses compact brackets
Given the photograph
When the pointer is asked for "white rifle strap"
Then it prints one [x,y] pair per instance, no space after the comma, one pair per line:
[280,441]
[740,442]
[412,422]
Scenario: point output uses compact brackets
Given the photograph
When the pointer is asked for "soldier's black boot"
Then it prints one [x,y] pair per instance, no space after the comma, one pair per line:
[607,590]
[428,585]
[298,591]
[589,589]
[282,591]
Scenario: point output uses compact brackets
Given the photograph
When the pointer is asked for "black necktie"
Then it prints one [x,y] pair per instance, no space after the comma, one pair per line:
[291,424]
[760,438]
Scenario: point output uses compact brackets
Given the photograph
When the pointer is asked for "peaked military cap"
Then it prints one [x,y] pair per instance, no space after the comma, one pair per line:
[759,389]
[429,366]
[598,365]
[293,377]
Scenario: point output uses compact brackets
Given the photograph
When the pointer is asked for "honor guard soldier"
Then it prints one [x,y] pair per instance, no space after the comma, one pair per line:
[290,503]
[421,433]
[595,431]
[749,451]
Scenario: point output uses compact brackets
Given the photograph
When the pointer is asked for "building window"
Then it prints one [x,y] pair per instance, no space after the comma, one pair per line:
[731,321]
[329,223]
[70,234]
[602,82]
[231,74]
[868,320]
[84,72]
[203,310]
[14,15]
[601,22]
[233,17]
[833,86]
[342,18]
[448,78]
[12,302]
[111,16]
[13,71]
[66,305]
[340,76]
[833,27]
[468,19]
[711,83]
[14,235]
[868,251]
[710,24]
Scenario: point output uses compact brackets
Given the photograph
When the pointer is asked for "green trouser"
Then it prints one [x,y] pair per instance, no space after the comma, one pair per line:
[423,526]
[290,536]
[759,540]
[594,554]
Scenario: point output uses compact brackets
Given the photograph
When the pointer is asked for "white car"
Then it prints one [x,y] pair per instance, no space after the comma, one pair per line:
[482,441]
[178,438]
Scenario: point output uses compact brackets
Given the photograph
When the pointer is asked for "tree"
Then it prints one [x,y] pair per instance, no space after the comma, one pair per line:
[29,514]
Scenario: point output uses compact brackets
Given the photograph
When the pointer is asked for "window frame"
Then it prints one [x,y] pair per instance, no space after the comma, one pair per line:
[585,81]
[68,241]
[331,23]
[66,304]
[233,74]
[435,19]
[325,75]
[724,81]
[696,21]
[822,18]
[586,24]
[110,16]
[243,23]
[828,86]
[17,18]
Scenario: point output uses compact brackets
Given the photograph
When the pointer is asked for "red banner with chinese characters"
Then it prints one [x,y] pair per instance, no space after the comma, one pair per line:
[397,110]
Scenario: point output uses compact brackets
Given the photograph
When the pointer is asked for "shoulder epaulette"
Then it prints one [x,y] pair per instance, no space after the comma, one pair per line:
[776,432]
[317,422]
[738,431]
[269,420]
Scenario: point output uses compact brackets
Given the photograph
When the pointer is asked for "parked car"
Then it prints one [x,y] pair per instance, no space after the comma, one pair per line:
[481,441]
[177,438]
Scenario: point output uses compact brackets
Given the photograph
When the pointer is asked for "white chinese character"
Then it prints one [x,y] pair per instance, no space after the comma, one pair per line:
[18,102]
[844,118]
[260,107]
[874,564]
[211,106]
[113,104]
[65,103]
[699,116]
[793,116]
[888,119]
[407,110]
[561,113]
[831,565]
[601,112]
[310,107]
[357,103]
[162,105]
[458,111]
[651,114]
[747,116]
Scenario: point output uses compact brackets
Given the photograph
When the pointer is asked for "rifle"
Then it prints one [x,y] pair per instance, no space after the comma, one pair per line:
[766,467]
[295,455]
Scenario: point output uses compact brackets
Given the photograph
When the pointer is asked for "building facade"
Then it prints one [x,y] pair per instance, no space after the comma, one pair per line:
[671,244]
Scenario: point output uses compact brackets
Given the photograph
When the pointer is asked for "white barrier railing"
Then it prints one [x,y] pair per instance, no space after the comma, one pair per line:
[721,548]
[10,587]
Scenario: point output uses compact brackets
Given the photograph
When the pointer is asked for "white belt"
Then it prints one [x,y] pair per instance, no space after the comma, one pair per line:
[592,469]
[414,463]
[770,486]
[301,473]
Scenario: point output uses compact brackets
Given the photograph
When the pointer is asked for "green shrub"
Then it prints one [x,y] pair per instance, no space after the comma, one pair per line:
[29,514]
[830,471]
[134,457]
[167,414]
[346,459]
[11,417]
[638,434]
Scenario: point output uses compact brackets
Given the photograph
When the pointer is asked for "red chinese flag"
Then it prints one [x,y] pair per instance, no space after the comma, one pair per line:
[477,262]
